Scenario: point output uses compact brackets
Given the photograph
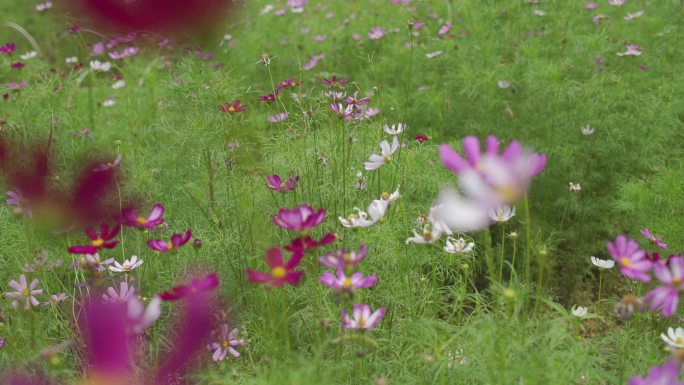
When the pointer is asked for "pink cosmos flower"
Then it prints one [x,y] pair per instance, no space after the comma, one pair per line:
[632,50]
[307,243]
[124,53]
[129,217]
[269,98]
[177,240]
[658,241]
[313,61]
[591,5]
[24,292]
[225,344]
[362,317]
[297,6]
[666,296]
[281,272]
[616,3]
[16,85]
[105,239]
[320,38]
[121,296]
[668,374]
[17,65]
[96,262]
[443,30]
[345,112]
[302,218]
[108,166]
[196,286]
[278,117]
[340,282]
[631,259]
[376,33]
[21,203]
[232,108]
[343,259]
[356,101]
[288,83]
[8,48]
[334,82]
[277,184]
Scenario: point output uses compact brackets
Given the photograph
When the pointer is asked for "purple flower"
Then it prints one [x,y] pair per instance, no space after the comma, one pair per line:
[227,339]
[334,82]
[277,184]
[8,48]
[124,294]
[591,5]
[443,30]
[631,259]
[24,292]
[658,241]
[340,282]
[668,374]
[21,203]
[124,53]
[345,112]
[666,296]
[97,263]
[301,219]
[632,50]
[307,243]
[2,342]
[103,239]
[356,102]
[362,317]
[129,217]
[278,117]
[177,240]
[108,166]
[376,33]
[343,259]
[312,62]
[16,85]
[269,98]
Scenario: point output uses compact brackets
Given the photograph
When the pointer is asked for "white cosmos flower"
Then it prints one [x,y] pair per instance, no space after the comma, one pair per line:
[376,161]
[579,311]
[118,84]
[502,213]
[539,12]
[503,84]
[458,246]
[602,263]
[396,129]
[71,60]
[390,197]
[99,66]
[460,214]
[587,130]
[634,15]
[127,266]
[29,55]
[376,210]
[142,317]
[674,338]
[432,229]
[575,187]
[108,102]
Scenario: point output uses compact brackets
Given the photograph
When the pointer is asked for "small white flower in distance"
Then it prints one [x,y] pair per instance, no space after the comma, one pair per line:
[602,263]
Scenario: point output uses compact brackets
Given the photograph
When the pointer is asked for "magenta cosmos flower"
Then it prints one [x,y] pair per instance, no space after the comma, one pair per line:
[196,286]
[666,296]
[227,339]
[270,98]
[307,243]
[490,176]
[177,240]
[362,317]
[277,184]
[129,217]
[24,292]
[102,240]
[344,259]
[232,108]
[631,259]
[658,241]
[668,374]
[281,272]
[288,83]
[334,82]
[340,282]
[301,219]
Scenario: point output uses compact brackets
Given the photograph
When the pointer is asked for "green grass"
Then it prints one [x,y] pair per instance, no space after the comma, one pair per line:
[167,127]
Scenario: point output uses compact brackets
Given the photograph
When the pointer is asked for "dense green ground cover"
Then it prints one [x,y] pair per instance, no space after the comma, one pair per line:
[445,322]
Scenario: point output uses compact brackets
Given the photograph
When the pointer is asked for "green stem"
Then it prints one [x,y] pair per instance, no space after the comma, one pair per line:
[503,244]
[489,255]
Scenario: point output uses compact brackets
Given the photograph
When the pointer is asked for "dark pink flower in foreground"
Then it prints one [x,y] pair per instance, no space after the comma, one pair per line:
[307,243]
[17,65]
[631,259]
[344,259]
[340,282]
[281,272]
[421,138]
[362,317]
[177,240]
[196,286]
[8,48]
[301,219]
[102,240]
[668,374]
[232,108]
[666,296]
[334,82]
[129,217]
[657,241]
[277,184]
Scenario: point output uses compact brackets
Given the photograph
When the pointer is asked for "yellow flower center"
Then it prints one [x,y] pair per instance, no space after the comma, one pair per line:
[347,257]
[97,242]
[278,272]
[25,292]
[141,220]
[508,194]
[283,186]
[225,344]
[676,281]
[231,109]
[653,239]
[624,261]
[169,245]
[385,195]
[427,235]
[362,321]
[347,283]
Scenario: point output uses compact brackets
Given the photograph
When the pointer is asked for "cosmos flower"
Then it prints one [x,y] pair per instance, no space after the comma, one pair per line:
[118,84]
[356,102]
[97,263]
[433,54]
[421,138]
[129,217]
[227,340]
[362,317]
[579,311]
[376,33]
[345,112]
[591,5]
[574,187]
[602,263]
[277,184]
[313,61]
[281,272]
[674,338]
[502,213]
[307,243]
[657,241]
[204,285]
[44,6]
[270,98]
[334,82]
[24,292]
[127,266]
[668,374]
[121,296]
[301,219]
[8,49]
[20,202]
[616,3]
[503,84]
[99,66]
[140,317]
[177,240]
[431,228]
[458,246]
[288,83]
[632,50]
[443,30]
[297,6]
[103,239]
[278,117]
[376,161]
[233,108]
[376,210]
[343,259]
[124,53]
[339,282]
[110,165]
[631,259]
[28,55]
[666,296]
[396,129]
[634,15]
[587,130]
